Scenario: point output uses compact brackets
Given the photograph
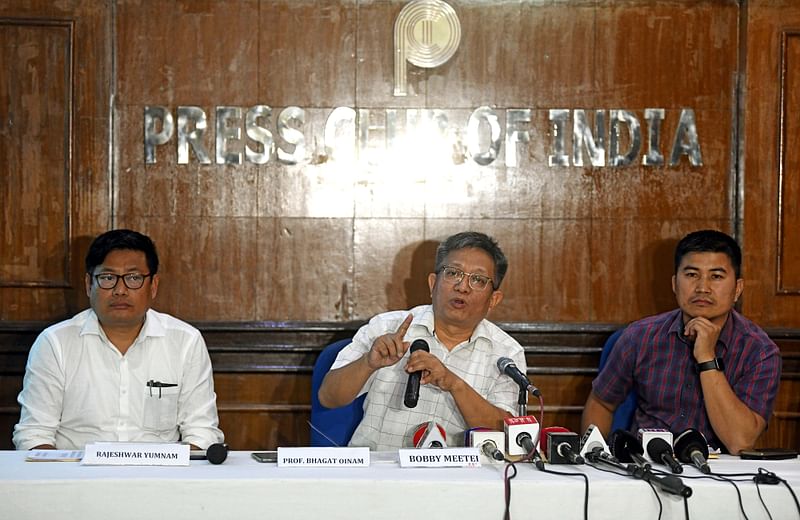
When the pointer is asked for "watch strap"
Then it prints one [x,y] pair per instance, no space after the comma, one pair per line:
[714,364]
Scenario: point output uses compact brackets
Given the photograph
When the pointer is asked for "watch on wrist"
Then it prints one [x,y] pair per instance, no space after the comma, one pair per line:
[714,364]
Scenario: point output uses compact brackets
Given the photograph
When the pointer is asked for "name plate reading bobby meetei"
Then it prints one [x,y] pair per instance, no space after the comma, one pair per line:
[323,457]
[136,454]
[439,458]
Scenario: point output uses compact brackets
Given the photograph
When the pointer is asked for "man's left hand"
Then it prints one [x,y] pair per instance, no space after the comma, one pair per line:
[433,371]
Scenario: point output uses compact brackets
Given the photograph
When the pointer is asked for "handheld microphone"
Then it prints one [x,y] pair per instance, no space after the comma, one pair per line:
[506,366]
[691,447]
[661,451]
[412,387]
[429,435]
[562,446]
[489,444]
[627,448]
[520,434]
[215,454]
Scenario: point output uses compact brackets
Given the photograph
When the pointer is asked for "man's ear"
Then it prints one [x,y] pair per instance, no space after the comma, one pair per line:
[495,299]
[431,282]
[674,281]
[154,286]
[739,289]
[87,281]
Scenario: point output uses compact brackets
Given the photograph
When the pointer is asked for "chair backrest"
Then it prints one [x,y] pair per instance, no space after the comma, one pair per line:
[338,424]
[623,415]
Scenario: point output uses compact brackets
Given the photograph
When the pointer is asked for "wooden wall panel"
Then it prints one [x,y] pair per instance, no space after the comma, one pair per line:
[789,172]
[770,28]
[54,144]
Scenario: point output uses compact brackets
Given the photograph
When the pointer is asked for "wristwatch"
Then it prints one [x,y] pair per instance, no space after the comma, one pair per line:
[714,364]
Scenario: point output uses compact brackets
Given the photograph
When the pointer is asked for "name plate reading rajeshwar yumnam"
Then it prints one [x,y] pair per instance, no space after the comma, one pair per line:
[439,458]
[323,457]
[136,454]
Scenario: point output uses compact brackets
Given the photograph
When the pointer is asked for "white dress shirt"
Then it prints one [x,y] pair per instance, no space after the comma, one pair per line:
[388,424]
[79,388]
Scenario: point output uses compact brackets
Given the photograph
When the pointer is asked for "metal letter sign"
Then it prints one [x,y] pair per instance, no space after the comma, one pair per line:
[426,34]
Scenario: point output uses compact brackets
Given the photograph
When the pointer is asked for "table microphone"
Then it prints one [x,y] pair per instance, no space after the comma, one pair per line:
[429,435]
[627,448]
[562,446]
[691,447]
[661,451]
[215,453]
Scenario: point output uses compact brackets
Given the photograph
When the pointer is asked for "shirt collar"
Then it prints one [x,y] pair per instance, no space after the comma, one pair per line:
[725,335]
[423,324]
[152,326]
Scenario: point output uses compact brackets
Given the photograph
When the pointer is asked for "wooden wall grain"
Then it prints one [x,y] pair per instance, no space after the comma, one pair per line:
[331,241]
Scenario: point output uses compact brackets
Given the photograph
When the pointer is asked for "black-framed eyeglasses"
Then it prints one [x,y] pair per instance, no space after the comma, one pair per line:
[454,275]
[131,280]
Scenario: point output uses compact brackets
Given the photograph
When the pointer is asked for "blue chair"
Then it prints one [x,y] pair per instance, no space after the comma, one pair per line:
[338,424]
[623,415]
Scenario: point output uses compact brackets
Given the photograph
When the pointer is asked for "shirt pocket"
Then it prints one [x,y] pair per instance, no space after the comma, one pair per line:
[160,408]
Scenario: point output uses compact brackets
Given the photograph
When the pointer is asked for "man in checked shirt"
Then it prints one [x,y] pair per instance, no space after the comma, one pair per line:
[461,385]
[703,365]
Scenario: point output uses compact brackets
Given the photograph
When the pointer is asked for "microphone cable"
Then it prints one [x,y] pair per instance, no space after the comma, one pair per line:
[764,476]
[532,455]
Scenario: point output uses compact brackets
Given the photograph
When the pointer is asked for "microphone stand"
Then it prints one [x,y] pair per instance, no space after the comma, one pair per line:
[522,402]
[668,483]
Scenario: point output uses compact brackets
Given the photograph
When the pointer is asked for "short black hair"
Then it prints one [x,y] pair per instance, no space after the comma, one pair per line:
[710,241]
[474,239]
[121,239]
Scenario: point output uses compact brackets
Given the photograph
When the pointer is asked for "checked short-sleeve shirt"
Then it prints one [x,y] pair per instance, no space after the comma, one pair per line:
[652,359]
[388,424]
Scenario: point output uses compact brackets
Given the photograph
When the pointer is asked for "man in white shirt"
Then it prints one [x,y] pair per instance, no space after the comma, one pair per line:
[461,387]
[118,371]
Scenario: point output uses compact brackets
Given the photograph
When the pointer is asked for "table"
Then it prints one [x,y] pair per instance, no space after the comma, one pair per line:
[242,488]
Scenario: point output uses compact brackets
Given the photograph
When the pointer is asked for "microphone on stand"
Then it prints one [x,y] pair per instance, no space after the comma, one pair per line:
[626,447]
[215,454]
[691,447]
[506,366]
[412,387]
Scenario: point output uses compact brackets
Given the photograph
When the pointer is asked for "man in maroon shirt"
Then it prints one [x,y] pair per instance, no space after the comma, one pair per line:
[702,366]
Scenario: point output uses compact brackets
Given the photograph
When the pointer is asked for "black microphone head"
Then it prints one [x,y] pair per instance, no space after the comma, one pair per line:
[624,445]
[503,363]
[419,344]
[658,447]
[217,453]
[688,441]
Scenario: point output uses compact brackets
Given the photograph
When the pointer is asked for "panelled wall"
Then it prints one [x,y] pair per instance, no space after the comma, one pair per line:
[327,207]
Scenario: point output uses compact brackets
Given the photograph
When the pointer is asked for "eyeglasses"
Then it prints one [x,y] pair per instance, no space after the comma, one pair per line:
[131,280]
[454,275]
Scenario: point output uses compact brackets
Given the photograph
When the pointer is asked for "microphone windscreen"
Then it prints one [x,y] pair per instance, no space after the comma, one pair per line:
[689,441]
[429,435]
[217,453]
[658,447]
[624,444]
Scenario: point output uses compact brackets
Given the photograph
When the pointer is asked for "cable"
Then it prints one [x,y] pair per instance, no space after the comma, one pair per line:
[527,458]
[507,484]
[585,488]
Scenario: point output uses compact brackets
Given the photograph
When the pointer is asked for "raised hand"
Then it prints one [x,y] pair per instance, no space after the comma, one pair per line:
[389,349]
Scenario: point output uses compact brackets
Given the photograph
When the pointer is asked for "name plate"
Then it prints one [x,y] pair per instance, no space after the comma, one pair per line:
[439,458]
[323,457]
[135,454]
